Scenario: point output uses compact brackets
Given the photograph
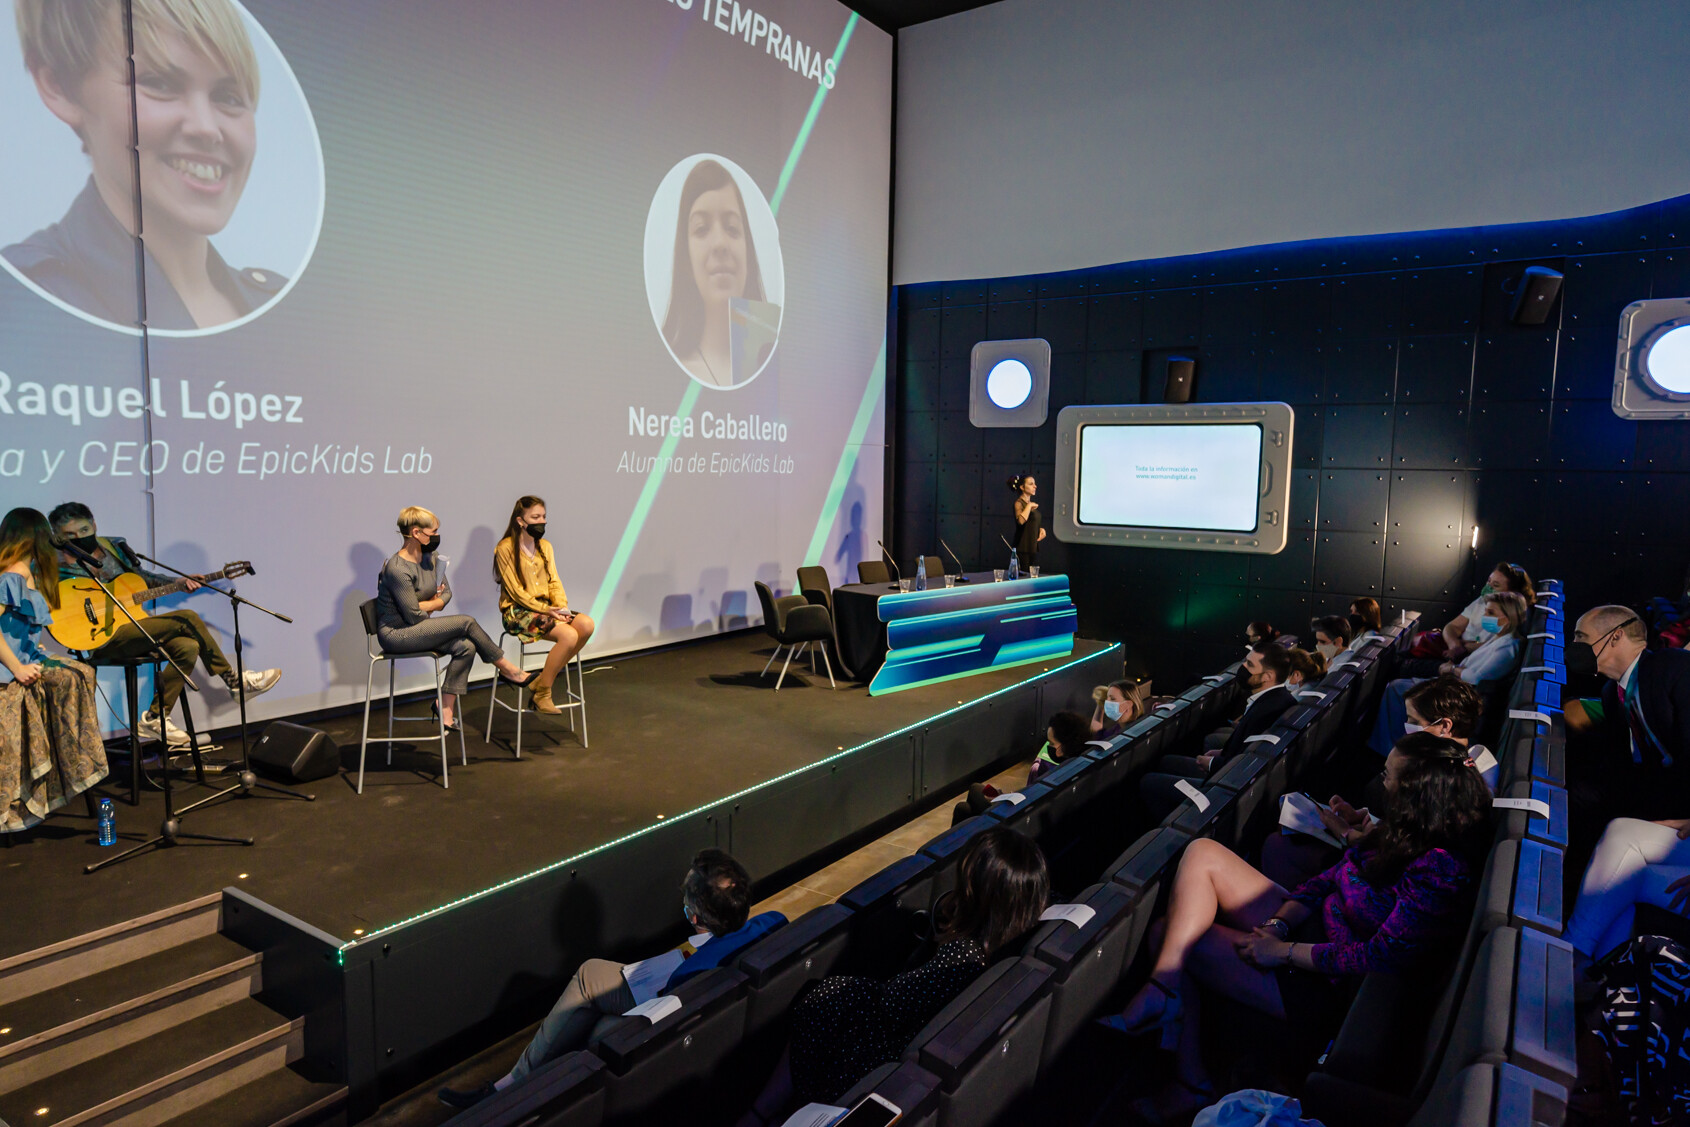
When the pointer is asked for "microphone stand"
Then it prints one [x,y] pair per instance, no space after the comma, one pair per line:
[960,577]
[89,565]
[169,832]
[249,781]
[897,576]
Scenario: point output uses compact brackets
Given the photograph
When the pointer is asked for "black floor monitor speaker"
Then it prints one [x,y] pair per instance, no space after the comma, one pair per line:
[295,753]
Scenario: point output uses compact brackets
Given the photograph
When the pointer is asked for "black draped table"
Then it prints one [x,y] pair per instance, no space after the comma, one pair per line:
[941,633]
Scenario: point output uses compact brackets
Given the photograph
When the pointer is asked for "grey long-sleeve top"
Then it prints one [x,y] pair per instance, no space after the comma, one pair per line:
[404,585]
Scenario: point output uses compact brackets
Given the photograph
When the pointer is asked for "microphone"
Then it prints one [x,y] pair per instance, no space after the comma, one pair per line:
[64,545]
[896,574]
[1006,542]
[960,577]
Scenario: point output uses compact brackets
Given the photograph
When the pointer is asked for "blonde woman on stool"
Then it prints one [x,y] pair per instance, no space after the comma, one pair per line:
[532,601]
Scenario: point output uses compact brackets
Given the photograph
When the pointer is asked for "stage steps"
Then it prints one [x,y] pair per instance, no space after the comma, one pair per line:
[151,1022]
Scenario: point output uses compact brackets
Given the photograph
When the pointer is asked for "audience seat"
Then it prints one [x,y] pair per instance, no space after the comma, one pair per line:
[1149,861]
[1089,962]
[889,913]
[1492,1095]
[907,1086]
[566,1092]
[654,1071]
[777,966]
[985,1046]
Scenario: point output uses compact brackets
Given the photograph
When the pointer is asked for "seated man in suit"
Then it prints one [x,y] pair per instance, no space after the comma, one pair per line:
[1630,776]
[716,899]
[1638,739]
[1264,673]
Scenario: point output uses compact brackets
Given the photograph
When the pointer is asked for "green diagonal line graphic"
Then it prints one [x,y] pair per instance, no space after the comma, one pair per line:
[654,480]
[810,118]
[848,458]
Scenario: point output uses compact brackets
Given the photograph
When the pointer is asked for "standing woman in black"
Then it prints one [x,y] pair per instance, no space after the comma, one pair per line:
[1028,530]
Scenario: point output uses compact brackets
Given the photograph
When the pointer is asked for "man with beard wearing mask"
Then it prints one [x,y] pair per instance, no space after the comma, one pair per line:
[1263,673]
[181,633]
[1641,722]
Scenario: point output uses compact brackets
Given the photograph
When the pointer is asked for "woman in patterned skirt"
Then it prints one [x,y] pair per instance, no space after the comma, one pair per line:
[532,601]
[50,746]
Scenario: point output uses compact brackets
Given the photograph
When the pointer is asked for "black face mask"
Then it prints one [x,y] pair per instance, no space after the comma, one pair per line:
[1580,659]
[432,543]
[1243,675]
[537,531]
[1358,623]
[89,544]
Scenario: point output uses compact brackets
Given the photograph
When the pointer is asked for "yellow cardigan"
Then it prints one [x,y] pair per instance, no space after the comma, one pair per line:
[529,582]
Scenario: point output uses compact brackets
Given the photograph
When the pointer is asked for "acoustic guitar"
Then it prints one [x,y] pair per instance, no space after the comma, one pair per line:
[86,619]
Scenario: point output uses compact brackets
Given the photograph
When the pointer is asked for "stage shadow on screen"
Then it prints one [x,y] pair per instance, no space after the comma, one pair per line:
[345,657]
[675,616]
[850,552]
[732,613]
[474,590]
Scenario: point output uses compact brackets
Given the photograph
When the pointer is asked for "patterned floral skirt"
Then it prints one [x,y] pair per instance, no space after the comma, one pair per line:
[50,746]
[525,623]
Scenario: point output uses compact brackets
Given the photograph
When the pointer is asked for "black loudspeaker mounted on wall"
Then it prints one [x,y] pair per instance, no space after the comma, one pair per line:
[295,753]
[1181,381]
[1534,295]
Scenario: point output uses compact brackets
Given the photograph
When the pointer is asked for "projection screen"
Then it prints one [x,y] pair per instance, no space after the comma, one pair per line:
[627,255]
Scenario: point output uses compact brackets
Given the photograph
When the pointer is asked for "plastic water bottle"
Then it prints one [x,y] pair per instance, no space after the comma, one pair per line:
[108,822]
[920,574]
[1014,565]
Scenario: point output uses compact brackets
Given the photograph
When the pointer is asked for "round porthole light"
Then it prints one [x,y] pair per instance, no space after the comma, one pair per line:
[1009,383]
[1666,363]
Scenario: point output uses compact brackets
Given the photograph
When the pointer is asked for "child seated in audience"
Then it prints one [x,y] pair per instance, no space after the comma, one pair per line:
[1065,738]
[1394,898]
[847,1026]
[1332,635]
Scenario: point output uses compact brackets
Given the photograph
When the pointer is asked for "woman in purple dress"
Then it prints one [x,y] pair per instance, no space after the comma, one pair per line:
[1393,898]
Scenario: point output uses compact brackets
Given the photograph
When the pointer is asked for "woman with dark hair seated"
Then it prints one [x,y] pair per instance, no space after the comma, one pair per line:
[1394,897]
[848,1026]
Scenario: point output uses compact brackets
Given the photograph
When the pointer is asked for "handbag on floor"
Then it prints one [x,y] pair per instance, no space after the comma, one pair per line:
[1254,1107]
[1642,1020]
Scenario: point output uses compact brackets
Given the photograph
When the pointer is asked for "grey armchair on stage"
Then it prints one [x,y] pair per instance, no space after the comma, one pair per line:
[795,624]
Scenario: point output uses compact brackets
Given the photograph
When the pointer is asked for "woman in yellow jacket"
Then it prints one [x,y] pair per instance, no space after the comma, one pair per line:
[531,597]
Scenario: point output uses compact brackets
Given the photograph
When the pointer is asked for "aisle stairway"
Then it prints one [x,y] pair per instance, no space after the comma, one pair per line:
[153,1023]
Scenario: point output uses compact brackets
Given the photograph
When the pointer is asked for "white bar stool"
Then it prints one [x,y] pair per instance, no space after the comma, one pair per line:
[573,697]
[367,610]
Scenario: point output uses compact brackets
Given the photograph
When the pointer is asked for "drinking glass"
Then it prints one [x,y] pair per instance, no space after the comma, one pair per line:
[950,581]
[997,575]
[903,584]
[1033,572]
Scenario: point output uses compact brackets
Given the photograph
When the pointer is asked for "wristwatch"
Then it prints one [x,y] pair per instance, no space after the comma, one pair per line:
[1279,927]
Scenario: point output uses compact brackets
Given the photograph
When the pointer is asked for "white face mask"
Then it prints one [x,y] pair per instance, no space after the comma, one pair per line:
[1410,729]
[1327,650]
[1112,709]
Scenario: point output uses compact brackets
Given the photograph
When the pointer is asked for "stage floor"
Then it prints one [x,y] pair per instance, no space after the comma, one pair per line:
[671,731]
